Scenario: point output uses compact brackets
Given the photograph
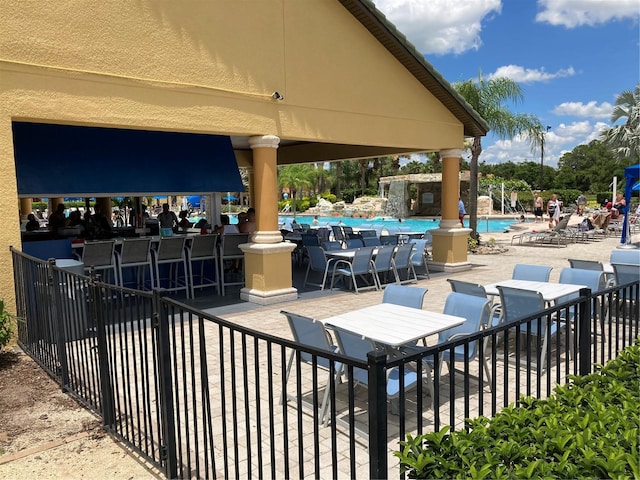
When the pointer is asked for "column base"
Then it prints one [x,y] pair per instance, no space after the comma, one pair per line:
[449,249]
[449,267]
[268,274]
[268,297]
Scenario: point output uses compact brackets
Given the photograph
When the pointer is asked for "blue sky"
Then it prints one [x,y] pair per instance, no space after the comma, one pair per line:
[571,57]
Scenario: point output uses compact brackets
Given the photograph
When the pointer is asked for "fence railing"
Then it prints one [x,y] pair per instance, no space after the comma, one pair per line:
[202,397]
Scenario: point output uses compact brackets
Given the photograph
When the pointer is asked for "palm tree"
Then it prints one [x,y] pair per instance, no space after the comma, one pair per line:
[488,97]
[295,177]
[624,140]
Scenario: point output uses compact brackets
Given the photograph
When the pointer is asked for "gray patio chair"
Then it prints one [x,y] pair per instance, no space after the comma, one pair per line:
[402,261]
[135,253]
[101,256]
[203,253]
[535,273]
[361,266]
[317,263]
[171,252]
[383,264]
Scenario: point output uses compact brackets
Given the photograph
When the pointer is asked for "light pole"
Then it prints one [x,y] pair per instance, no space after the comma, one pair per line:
[542,134]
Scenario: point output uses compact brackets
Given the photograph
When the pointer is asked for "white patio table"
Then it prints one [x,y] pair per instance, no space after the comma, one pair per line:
[550,291]
[393,325]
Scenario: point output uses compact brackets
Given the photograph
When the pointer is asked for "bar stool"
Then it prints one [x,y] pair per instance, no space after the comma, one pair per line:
[203,250]
[171,252]
[229,250]
[100,256]
[136,253]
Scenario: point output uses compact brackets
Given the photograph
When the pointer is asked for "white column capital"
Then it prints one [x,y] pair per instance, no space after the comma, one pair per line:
[264,141]
[451,153]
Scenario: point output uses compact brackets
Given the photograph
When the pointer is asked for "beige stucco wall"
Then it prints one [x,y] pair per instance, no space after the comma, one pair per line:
[205,66]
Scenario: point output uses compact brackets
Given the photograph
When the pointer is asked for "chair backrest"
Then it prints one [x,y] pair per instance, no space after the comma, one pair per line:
[384,257]
[517,303]
[311,333]
[338,234]
[592,279]
[204,246]
[354,243]
[135,250]
[586,264]
[323,234]
[229,245]
[475,310]
[468,288]
[310,239]
[171,248]
[402,295]
[630,257]
[389,239]
[317,259]
[419,251]
[562,224]
[355,346]
[331,245]
[371,241]
[361,262]
[536,273]
[347,230]
[625,273]
[368,234]
[402,258]
[98,254]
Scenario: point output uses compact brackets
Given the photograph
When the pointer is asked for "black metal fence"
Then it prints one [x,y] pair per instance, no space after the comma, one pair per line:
[202,397]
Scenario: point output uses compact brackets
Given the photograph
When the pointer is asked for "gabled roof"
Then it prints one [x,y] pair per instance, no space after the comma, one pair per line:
[398,45]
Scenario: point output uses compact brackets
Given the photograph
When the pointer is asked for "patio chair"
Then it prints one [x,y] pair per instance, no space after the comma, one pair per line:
[311,333]
[338,234]
[368,233]
[135,253]
[331,245]
[534,273]
[517,303]
[383,264]
[371,241]
[595,281]
[389,239]
[203,253]
[629,257]
[476,311]
[627,273]
[317,263]
[171,252]
[354,243]
[403,295]
[420,255]
[101,256]
[356,346]
[361,266]
[402,261]
[591,265]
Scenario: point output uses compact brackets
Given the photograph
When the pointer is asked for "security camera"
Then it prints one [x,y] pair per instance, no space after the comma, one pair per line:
[277,96]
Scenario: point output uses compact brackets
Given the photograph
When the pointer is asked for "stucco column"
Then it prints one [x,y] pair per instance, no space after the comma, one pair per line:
[104,204]
[252,186]
[450,240]
[26,206]
[268,274]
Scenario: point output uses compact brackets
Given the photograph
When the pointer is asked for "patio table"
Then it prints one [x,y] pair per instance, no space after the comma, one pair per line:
[550,291]
[393,325]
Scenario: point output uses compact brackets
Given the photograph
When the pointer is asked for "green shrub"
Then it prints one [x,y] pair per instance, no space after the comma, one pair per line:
[6,326]
[589,428]
[472,243]
[329,197]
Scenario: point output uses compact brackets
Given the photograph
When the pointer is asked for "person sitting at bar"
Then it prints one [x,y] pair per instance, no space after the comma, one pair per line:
[57,219]
[32,223]
[98,226]
[184,223]
[249,225]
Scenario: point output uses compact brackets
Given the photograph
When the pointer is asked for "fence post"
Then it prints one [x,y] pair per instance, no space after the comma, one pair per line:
[60,332]
[106,385]
[584,332]
[377,414]
[160,322]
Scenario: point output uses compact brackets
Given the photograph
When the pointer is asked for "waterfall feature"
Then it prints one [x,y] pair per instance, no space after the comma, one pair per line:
[398,199]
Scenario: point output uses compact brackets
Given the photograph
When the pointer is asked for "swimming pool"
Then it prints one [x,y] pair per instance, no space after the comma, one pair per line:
[416,225]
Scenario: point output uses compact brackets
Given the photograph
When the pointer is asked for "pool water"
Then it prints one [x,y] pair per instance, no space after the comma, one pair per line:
[416,225]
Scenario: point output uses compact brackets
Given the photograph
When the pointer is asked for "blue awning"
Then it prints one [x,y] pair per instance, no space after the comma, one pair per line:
[78,161]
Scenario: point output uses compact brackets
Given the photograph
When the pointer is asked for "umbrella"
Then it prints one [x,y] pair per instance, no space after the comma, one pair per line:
[230,198]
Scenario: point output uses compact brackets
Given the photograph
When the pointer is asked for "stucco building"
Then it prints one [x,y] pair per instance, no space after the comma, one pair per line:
[278,82]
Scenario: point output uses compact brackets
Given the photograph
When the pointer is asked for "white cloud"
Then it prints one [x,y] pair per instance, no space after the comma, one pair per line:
[575,13]
[440,26]
[588,110]
[528,75]
[563,138]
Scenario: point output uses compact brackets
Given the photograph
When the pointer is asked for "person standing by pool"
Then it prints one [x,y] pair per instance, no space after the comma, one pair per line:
[537,207]
[461,211]
[553,210]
